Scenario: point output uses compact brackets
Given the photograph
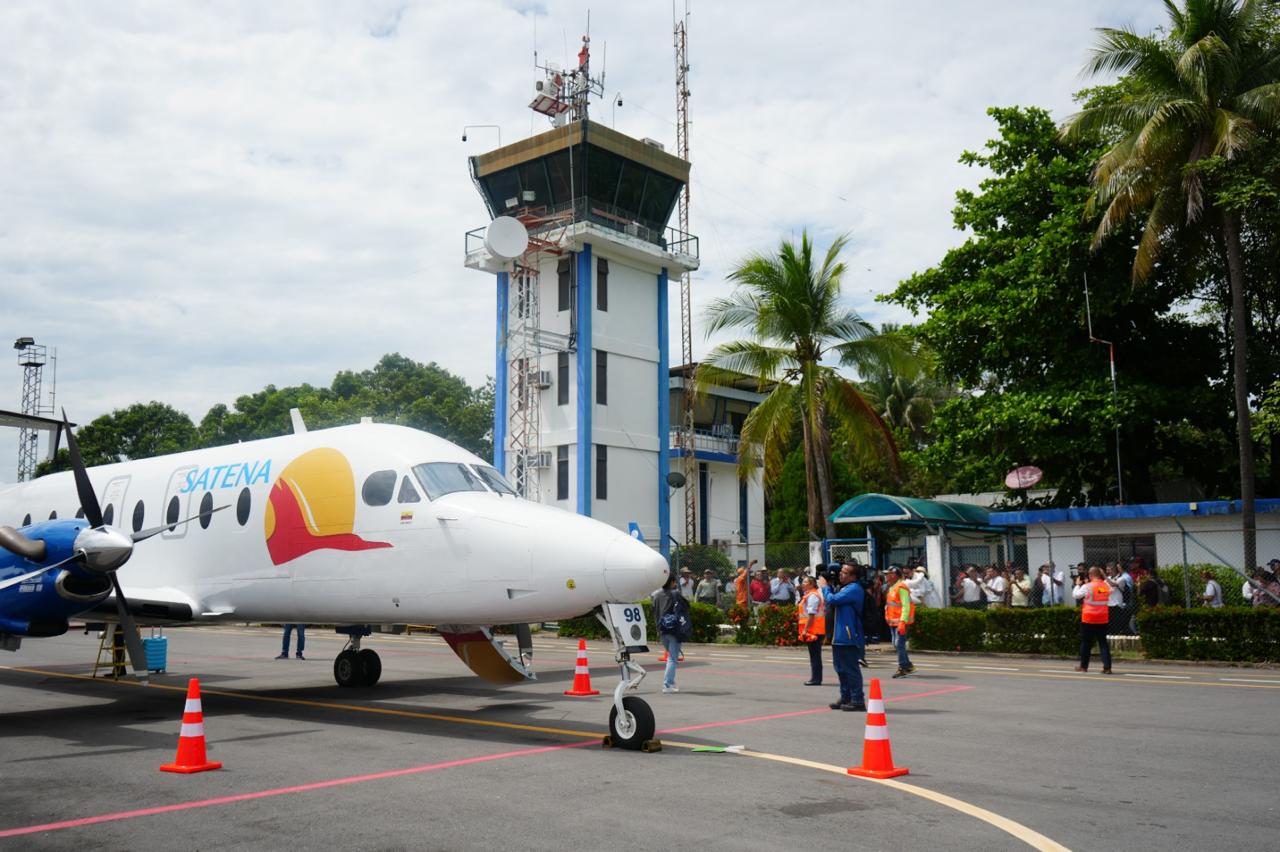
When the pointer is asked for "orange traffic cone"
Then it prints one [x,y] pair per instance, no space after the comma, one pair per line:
[581,676]
[191,757]
[877,757]
[665,657]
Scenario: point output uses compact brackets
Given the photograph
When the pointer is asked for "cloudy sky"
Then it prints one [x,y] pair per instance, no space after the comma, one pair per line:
[199,199]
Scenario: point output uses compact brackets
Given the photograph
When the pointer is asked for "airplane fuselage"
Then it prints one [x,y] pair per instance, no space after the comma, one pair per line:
[358,524]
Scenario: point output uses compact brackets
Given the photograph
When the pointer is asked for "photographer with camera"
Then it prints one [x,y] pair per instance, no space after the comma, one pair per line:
[847,636]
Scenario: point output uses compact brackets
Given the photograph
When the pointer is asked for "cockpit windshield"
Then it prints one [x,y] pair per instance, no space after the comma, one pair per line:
[493,479]
[441,478]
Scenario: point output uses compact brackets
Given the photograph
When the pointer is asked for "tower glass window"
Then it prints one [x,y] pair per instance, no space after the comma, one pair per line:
[562,378]
[602,284]
[602,472]
[564,282]
[562,472]
[602,377]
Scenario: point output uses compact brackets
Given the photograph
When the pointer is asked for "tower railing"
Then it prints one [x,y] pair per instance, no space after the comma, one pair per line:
[597,212]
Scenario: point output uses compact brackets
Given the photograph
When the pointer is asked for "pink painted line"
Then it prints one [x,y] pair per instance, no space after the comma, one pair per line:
[948,690]
[281,791]
[811,712]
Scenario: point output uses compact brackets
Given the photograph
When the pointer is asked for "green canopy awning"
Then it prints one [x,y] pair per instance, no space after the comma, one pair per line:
[915,511]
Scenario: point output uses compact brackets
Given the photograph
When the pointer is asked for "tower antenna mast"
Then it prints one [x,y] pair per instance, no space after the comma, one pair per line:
[687,441]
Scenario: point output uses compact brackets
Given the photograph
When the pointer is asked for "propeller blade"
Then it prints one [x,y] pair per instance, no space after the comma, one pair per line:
[88,499]
[14,581]
[19,545]
[137,656]
[143,535]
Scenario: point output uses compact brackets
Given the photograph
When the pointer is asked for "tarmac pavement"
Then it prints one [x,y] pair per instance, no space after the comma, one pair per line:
[1003,753]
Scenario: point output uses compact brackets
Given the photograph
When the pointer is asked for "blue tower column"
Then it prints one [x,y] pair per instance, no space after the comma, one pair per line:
[664,417]
[500,377]
[586,396]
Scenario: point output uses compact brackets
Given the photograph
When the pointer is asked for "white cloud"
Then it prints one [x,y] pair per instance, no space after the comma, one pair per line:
[200,199]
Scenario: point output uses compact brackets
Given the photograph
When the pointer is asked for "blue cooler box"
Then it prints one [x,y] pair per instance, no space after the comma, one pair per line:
[157,650]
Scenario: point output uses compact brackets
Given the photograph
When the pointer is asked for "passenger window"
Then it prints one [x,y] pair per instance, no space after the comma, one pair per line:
[171,513]
[408,494]
[379,488]
[242,506]
[441,478]
[108,514]
[206,510]
[139,515]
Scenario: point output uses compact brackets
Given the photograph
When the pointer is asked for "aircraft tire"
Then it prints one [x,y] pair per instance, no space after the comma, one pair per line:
[642,726]
[347,668]
[370,666]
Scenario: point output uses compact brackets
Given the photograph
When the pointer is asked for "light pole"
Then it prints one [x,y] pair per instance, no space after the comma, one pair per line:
[482,126]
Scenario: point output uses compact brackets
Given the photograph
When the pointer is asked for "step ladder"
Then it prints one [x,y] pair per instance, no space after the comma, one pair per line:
[112,654]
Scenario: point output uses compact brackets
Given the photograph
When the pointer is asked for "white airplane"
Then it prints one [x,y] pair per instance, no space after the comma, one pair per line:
[352,526]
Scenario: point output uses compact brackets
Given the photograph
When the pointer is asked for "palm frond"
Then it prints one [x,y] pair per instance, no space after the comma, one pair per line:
[728,362]
[766,432]
[740,309]
[847,405]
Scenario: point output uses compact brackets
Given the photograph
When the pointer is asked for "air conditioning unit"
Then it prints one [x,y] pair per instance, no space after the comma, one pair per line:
[540,378]
[542,459]
[632,228]
[654,143]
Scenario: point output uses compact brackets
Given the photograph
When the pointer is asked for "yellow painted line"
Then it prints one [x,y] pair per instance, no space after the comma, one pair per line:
[1032,838]
[326,705]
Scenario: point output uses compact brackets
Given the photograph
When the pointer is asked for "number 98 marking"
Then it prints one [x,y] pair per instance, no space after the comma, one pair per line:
[632,614]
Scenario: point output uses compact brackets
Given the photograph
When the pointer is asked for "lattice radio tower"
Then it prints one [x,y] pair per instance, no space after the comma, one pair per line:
[686,307]
[31,358]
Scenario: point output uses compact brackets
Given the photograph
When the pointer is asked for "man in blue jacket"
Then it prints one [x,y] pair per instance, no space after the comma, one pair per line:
[847,638]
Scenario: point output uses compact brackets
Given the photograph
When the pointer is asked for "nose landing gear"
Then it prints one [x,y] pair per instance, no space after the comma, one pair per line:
[356,666]
[631,722]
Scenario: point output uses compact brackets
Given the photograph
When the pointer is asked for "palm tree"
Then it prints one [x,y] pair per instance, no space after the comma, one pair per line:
[1188,101]
[791,306]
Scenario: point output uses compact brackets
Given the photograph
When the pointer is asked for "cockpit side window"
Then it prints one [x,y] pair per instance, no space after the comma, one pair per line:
[408,494]
[493,479]
[441,478]
[379,487]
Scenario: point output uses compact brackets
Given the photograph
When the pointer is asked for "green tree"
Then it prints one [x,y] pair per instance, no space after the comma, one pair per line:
[140,431]
[791,305]
[1006,322]
[1199,94]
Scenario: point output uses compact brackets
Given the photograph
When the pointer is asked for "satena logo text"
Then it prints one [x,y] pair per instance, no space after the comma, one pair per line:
[227,476]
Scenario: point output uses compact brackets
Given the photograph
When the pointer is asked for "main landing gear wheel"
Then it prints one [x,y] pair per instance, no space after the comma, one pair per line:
[346,668]
[635,728]
[357,668]
[370,666]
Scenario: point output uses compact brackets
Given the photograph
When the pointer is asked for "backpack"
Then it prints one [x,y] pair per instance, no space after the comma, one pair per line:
[675,621]
[1162,593]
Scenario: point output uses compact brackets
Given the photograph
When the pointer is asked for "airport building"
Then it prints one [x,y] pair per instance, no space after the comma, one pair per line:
[584,261]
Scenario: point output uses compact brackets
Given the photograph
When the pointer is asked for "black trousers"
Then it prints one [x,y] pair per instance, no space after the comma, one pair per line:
[1088,634]
[815,660]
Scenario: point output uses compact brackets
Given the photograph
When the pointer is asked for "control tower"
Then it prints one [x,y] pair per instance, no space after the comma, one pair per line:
[581,415]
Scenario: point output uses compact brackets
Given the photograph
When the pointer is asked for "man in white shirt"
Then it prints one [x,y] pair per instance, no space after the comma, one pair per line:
[967,593]
[781,589]
[686,583]
[1212,596]
[920,585]
[993,586]
[1051,581]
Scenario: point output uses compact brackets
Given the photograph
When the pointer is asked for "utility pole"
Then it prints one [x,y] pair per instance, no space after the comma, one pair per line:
[687,441]
[1111,347]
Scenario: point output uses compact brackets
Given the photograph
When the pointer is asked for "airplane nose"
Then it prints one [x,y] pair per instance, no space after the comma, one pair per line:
[632,570]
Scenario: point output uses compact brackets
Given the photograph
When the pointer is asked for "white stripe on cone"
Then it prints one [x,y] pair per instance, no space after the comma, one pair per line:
[192,729]
[877,732]
[875,705]
[193,706]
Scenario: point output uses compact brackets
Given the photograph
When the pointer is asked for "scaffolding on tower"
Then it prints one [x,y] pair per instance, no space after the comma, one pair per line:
[32,358]
[685,432]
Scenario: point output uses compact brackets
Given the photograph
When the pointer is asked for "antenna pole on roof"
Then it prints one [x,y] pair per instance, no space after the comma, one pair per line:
[1111,348]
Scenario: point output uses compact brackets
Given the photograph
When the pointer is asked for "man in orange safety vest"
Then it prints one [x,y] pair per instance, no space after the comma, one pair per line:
[900,613]
[812,618]
[1093,619]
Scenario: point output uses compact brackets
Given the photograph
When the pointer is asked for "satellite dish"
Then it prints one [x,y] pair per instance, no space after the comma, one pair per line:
[675,479]
[506,238]
[1024,477]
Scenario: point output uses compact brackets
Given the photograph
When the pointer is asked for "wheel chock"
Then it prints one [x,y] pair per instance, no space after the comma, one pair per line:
[607,742]
[650,746]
